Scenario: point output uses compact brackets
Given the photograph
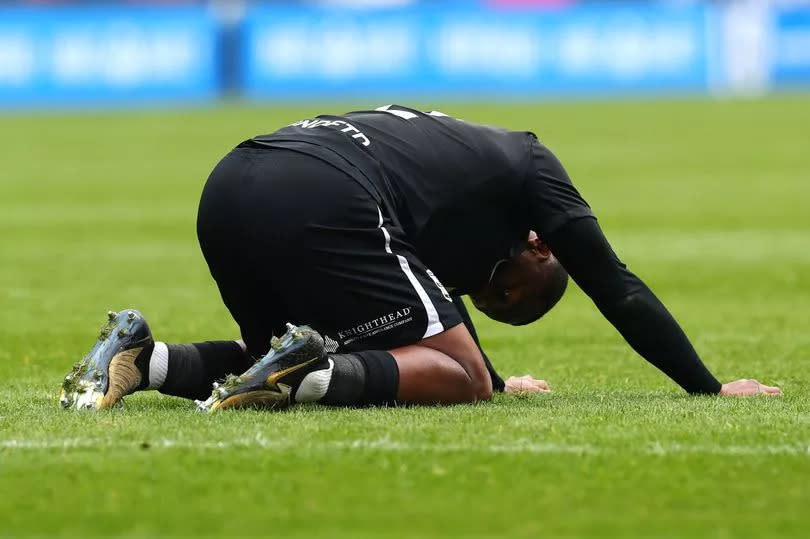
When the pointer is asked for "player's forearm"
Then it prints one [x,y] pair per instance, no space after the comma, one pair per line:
[497,381]
[651,330]
[629,304]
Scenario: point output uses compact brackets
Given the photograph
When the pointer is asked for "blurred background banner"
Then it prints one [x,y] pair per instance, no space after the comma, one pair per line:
[791,46]
[473,51]
[101,54]
[80,53]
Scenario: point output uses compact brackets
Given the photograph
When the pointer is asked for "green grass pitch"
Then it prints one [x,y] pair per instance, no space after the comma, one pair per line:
[709,201]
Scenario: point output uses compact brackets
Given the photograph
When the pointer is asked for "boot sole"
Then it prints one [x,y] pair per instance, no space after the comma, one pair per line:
[107,373]
[255,389]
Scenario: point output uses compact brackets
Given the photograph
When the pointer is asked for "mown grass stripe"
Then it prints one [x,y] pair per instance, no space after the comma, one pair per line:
[389,446]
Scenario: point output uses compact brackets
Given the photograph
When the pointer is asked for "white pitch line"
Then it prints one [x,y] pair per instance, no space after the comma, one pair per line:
[389,446]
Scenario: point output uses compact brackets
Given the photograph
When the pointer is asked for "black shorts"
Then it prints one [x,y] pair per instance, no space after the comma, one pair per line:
[290,238]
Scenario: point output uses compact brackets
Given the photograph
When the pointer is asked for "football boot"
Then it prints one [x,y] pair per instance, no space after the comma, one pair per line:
[270,383]
[108,372]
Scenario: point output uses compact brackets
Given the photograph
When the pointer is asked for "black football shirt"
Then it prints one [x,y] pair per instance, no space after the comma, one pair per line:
[465,194]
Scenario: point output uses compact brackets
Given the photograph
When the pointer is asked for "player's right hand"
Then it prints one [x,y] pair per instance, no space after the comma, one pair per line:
[746,388]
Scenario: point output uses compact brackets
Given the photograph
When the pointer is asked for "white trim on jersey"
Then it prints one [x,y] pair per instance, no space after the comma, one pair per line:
[401,113]
[434,324]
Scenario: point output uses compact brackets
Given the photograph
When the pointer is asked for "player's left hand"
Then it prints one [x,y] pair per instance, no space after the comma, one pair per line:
[746,388]
[526,384]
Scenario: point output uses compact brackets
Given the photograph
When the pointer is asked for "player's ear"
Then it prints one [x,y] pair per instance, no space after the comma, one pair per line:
[535,245]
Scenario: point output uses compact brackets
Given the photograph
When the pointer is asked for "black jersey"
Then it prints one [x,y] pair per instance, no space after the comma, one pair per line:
[464,193]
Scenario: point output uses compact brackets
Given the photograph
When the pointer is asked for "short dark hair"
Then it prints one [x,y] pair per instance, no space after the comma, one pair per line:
[548,295]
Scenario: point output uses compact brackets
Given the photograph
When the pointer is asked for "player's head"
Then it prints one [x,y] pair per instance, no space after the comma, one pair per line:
[523,288]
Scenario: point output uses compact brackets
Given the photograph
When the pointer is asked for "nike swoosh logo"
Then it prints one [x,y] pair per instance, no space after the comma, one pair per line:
[276,376]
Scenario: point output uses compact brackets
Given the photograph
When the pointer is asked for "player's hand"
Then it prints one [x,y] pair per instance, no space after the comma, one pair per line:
[526,384]
[746,388]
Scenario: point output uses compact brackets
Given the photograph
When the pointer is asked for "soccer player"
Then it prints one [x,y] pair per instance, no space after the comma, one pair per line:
[367,228]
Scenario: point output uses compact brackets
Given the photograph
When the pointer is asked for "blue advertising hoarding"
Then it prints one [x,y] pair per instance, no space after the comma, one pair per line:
[790,46]
[59,56]
[56,56]
[292,52]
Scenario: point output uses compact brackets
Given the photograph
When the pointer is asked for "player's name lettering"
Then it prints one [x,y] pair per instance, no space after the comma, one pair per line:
[346,128]
[371,325]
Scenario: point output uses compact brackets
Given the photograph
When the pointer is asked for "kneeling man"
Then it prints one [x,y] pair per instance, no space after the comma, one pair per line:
[366,229]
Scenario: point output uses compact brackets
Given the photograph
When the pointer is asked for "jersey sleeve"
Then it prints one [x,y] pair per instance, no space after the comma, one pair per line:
[552,198]
[632,308]
[566,223]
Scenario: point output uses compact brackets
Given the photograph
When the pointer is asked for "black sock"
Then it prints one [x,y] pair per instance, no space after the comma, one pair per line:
[348,381]
[369,378]
[142,363]
[193,368]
